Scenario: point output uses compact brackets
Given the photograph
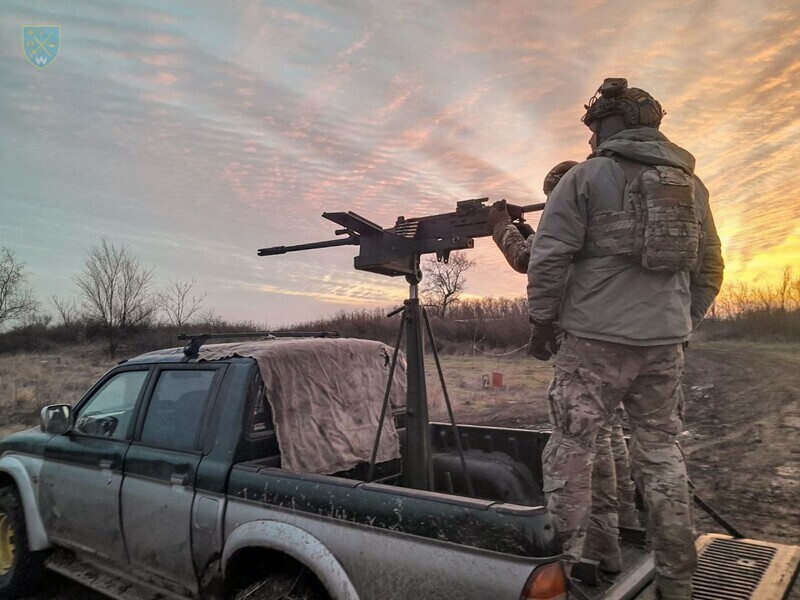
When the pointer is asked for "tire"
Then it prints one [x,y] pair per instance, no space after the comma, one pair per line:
[20,569]
[283,586]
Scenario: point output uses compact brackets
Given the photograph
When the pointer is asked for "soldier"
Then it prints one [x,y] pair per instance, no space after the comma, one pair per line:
[613,491]
[626,261]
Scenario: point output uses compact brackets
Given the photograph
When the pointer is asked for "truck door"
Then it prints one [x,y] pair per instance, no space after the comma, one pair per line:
[160,471]
[82,472]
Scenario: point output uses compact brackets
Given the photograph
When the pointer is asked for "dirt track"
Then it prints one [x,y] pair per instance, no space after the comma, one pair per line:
[742,431]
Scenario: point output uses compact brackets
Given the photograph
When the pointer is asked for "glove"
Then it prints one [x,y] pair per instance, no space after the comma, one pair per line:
[524,229]
[497,214]
[545,340]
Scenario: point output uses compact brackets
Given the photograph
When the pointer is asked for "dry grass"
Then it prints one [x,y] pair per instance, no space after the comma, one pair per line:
[519,403]
[29,381]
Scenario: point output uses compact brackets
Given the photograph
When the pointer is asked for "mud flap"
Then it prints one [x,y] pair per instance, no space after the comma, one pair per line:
[743,568]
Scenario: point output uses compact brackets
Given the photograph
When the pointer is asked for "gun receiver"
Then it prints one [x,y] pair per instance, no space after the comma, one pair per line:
[396,251]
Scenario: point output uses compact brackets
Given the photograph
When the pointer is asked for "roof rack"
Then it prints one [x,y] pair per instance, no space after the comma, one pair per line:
[192,348]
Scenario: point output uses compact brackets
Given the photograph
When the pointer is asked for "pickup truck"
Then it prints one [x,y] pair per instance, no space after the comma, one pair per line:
[167,480]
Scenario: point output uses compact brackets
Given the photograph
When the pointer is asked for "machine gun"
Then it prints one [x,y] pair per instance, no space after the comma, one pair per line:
[397,251]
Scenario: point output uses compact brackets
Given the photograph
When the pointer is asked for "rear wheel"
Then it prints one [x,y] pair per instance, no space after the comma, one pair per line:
[297,586]
[20,569]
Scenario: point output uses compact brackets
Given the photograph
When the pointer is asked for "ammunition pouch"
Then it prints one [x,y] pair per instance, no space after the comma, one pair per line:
[659,224]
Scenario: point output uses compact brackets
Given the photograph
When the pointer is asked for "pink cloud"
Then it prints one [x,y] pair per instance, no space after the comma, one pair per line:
[165,78]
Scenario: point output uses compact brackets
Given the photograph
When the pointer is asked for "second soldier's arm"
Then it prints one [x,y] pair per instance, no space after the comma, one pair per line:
[513,245]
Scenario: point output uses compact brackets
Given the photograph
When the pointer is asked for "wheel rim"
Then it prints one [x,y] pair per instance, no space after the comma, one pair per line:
[6,544]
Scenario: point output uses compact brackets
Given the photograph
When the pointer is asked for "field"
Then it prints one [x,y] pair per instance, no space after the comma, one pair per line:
[741,431]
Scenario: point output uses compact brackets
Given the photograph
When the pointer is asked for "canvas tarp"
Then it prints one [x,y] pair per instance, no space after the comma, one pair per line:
[326,396]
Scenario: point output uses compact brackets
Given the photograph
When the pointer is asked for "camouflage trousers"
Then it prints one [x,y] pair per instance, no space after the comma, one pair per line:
[626,490]
[591,379]
[613,495]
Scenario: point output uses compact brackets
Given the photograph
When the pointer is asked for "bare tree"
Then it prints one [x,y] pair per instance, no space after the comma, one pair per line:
[175,303]
[16,299]
[443,283]
[67,308]
[784,290]
[210,318]
[115,289]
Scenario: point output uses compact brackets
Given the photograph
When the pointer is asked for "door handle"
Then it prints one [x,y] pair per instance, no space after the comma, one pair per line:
[177,479]
[106,463]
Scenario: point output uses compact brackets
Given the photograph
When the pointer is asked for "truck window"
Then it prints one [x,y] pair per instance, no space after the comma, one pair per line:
[175,411]
[261,415]
[108,412]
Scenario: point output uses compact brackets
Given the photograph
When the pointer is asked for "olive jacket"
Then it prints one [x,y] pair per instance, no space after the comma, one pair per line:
[614,298]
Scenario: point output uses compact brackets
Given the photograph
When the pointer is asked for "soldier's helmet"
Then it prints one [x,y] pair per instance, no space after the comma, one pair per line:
[555,174]
[614,97]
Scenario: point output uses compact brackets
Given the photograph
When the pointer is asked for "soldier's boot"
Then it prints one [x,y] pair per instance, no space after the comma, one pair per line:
[602,543]
[673,589]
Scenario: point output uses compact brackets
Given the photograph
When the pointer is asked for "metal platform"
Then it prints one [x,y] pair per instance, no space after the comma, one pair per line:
[742,569]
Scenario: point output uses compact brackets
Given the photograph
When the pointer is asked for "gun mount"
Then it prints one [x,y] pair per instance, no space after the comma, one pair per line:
[397,251]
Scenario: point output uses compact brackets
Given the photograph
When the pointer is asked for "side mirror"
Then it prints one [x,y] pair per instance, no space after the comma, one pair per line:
[56,419]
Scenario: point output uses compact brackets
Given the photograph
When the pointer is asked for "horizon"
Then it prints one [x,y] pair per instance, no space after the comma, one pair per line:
[194,134]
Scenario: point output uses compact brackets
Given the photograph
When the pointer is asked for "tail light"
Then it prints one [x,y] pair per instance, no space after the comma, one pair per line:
[546,582]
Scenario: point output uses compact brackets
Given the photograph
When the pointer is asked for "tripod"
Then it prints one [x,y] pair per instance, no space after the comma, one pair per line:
[417,455]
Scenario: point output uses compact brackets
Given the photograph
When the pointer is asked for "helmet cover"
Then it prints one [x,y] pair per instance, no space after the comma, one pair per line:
[555,174]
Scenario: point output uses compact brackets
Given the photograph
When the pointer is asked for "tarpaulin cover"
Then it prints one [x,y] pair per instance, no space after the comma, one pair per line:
[326,396]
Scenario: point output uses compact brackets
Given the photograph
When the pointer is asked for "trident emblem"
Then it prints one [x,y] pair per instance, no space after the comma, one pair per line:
[40,45]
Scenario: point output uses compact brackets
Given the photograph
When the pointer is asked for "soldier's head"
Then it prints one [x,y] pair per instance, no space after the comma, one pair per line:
[555,174]
[615,107]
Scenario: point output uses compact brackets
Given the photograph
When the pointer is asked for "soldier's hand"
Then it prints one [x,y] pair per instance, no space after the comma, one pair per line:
[497,214]
[545,340]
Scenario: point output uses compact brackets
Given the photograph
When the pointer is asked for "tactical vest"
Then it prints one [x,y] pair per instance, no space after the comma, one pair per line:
[659,223]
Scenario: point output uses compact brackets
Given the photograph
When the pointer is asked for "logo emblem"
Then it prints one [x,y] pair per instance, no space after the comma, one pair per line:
[40,45]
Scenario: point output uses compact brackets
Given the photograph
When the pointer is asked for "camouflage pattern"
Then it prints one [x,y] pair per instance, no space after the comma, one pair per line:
[626,489]
[555,174]
[613,495]
[659,223]
[514,247]
[602,534]
[592,378]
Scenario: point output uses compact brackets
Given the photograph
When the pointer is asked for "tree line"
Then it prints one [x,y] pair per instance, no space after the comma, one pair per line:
[115,294]
[116,299]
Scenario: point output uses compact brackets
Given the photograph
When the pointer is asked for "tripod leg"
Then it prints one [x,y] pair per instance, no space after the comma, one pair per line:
[385,406]
[456,436]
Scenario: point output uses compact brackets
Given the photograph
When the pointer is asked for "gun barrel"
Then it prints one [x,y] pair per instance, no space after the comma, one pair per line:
[532,207]
[348,241]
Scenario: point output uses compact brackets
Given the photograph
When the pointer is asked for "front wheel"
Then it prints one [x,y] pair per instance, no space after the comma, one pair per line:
[297,586]
[20,569]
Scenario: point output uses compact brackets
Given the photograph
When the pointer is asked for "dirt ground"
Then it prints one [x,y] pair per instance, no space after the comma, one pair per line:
[742,427]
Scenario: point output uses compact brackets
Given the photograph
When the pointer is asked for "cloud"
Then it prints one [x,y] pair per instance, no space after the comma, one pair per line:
[199,131]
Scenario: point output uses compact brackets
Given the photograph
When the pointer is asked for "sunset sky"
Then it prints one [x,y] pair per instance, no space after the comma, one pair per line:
[195,132]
